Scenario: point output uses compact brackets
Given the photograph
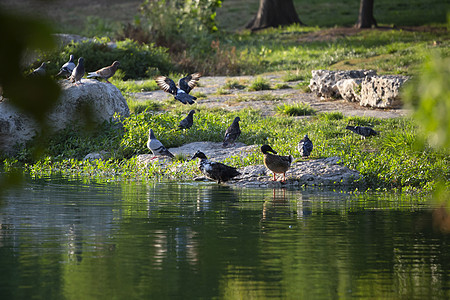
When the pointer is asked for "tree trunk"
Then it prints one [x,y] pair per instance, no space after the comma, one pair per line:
[366,19]
[274,13]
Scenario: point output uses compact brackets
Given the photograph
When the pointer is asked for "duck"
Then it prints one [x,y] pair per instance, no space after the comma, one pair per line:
[232,133]
[187,122]
[215,170]
[156,146]
[305,146]
[362,130]
[276,163]
[185,85]
[67,68]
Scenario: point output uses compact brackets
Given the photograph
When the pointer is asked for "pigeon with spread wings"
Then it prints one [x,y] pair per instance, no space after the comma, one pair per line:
[185,85]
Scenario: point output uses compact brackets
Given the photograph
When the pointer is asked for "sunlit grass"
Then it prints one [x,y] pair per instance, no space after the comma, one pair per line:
[296,109]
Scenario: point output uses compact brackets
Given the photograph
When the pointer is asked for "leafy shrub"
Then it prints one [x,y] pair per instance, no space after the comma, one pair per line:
[136,61]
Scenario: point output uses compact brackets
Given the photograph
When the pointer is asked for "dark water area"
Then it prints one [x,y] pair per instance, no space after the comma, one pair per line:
[67,239]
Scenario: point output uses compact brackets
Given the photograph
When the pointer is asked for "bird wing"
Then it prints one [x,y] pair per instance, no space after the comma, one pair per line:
[105,72]
[158,148]
[189,82]
[166,84]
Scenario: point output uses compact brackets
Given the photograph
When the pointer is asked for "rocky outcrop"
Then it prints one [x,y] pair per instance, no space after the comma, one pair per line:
[92,101]
[323,82]
[362,86]
[311,172]
[382,91]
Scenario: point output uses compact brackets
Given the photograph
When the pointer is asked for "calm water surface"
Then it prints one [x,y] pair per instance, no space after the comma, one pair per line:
[62,239]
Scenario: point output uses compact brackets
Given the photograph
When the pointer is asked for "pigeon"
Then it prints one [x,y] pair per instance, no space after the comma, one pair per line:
[39,71]
[156,146]
[187,122]
[78,72]
[185,85]
[106,72]
[362,130]
[67,68]
[232,133]
[305,146]
[215,170]
[276,163]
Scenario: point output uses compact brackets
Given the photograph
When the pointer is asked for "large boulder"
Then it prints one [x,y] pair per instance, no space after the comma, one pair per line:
[92,101]
[350,89]
[382,91]
[323,82]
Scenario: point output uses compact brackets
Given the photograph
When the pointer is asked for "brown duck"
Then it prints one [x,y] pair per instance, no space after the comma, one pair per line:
[276,163]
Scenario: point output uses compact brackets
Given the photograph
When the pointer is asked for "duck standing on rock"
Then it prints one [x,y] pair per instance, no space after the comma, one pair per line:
[276,163]
[215,170]
[156,146]
[305,146]
[106,72]
[185,85]
[232,133]
[362,130]
[187,122]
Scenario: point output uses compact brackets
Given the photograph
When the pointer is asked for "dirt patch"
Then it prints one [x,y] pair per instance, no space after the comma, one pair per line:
[241,99]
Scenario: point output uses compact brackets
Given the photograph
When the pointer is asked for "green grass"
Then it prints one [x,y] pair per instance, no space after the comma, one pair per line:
[296,109]
[391,160]
[259,84]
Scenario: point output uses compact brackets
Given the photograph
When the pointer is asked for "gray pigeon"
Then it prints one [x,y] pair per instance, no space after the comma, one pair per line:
[39,71]
[232,133]
[187,122]
[185,85]
[362,130]
[78,72]
[156,146]
[305,146]
[106,72]
[67,68]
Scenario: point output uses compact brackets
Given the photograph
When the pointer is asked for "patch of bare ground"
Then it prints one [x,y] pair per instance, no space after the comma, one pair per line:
[267,101]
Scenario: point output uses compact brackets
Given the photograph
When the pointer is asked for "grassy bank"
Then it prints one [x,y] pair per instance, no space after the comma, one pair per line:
[392,160]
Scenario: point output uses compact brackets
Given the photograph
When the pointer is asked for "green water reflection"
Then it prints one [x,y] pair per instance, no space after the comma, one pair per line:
[63,239]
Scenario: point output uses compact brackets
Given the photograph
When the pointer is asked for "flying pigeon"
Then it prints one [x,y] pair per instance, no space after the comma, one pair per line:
[106,72]
[215,170]
[156,146]
[78,72]
[305,146]
[363,131]
[232,133]
[67,68]
[185,85]
[39,71]
[187,122]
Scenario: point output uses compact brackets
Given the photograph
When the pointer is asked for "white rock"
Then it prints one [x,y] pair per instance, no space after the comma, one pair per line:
[92,101]
[382,91]
[350,89]
[323,82]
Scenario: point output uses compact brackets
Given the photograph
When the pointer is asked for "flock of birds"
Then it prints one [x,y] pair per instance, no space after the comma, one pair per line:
[74,72]
[278,164]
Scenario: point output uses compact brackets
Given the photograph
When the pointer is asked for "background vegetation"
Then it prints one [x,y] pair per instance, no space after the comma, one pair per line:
[202,38]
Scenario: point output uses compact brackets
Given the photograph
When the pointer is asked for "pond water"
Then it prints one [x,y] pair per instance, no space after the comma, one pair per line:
[65,239]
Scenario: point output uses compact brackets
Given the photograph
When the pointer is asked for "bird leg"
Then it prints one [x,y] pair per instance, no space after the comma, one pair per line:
[274,178]
[153,158]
